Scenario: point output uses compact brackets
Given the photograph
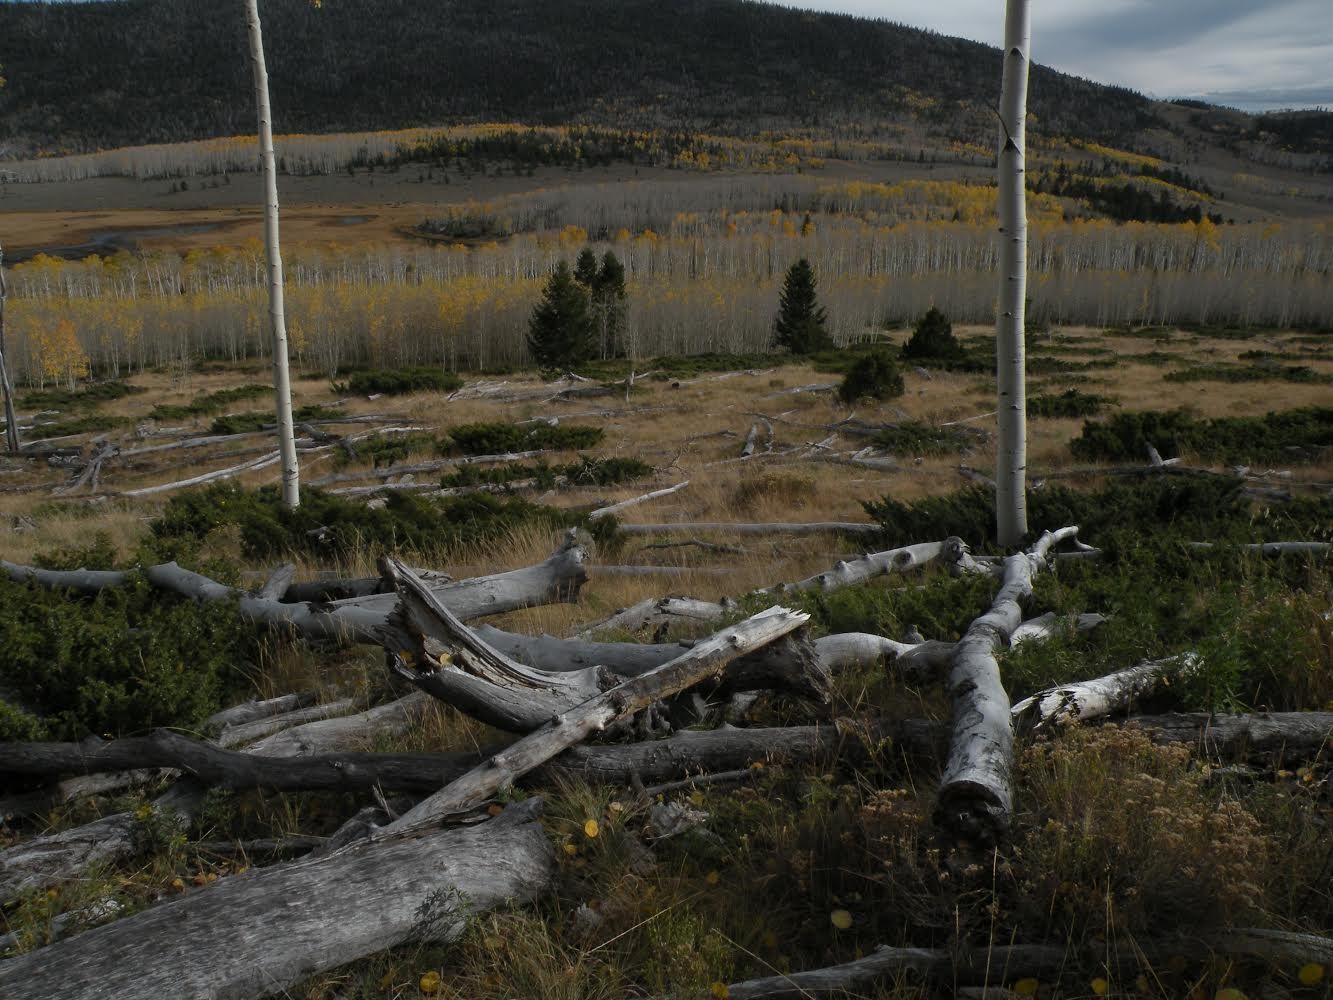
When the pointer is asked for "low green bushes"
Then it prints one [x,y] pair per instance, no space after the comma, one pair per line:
[497,438]
[257,420]
[1282,436]
[916,438]
[1221,371]
[586,471]
[398,381]
[872,376]
[209,402]
[1070,403]
[326,525]
[84,397]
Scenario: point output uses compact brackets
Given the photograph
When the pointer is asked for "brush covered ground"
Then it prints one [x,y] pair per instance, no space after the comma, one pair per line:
[1117,843]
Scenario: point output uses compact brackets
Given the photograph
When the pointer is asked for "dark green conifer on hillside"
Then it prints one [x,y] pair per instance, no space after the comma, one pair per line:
[560,332]
[799,325]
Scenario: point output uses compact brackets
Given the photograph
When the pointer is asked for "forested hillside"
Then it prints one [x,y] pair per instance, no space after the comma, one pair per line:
[83,76]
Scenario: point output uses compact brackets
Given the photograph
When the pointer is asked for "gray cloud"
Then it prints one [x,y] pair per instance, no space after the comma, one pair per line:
[1261,52]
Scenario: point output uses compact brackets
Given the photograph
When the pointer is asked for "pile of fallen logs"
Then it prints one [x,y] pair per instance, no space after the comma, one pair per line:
[602,712]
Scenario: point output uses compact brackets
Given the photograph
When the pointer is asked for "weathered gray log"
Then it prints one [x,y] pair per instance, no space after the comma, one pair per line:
[616,508]
[994,965]
[1101,696]
[1284,736]
[40,801]
[250,711]
[1044,626]
[360,619]
[660,611]
[705,660]
[212,765]
[739,528]
[428,645]
[974,797]
[51,858]
[850,572]
[249,935]
[246,733]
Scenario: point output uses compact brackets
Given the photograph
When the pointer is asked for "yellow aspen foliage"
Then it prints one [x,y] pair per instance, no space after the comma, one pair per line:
[60,355]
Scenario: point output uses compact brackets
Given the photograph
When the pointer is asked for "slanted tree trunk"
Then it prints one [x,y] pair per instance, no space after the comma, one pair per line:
[1011,456]
[705,660]
[1097,698]
[291,473]
[6,387]
[254,934]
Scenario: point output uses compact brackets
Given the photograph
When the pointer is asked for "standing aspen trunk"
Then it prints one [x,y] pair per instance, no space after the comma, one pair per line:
[11,419]
[1011,471]
[291,473]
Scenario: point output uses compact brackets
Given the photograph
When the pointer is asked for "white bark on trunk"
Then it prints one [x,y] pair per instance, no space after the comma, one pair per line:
[975,797]
[1099,697]
[291,474]
[1011,457]
[6,388]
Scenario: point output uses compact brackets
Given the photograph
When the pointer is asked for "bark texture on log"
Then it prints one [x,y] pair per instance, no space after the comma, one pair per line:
[705,660]
[738,528]
[1101,696]
[1280,735]
[974,797]
[249,935]
[1000,964]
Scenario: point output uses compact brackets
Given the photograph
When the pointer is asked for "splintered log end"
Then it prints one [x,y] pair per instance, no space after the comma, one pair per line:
[973,811]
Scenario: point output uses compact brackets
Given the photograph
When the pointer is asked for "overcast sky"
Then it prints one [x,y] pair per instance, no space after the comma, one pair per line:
[1252,54]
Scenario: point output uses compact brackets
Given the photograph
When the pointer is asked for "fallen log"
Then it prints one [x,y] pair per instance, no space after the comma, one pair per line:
[1281,736]
[1101,696]
[1274,548]
[250,711]
[974,797]
[248,936]
[52,858]
[616,508]
[739,528]
[705,660]
[987,966]
[359,619]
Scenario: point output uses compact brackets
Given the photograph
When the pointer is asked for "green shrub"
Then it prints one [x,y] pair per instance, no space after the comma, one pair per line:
[872,376]
[497,438]
[1070,403]
[1282,436]
[585,472]
[398,381]
[326,525]
[1223,372]
[258,420]
[916,438]
[386,449]
[93,423]
[86,396]
[933,340]
[115,664]
[210,402]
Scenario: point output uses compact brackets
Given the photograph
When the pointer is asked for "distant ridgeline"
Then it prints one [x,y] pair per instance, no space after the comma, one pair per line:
[87,76]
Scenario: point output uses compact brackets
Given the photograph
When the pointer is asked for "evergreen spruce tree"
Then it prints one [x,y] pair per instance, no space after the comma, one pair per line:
[933,340]
[799,325]
[560,332]
[608,301]
[585,269]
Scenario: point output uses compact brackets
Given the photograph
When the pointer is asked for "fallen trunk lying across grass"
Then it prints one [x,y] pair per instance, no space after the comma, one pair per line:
[254,934]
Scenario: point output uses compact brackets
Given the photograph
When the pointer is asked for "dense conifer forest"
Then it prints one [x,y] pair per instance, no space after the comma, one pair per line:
[83,76]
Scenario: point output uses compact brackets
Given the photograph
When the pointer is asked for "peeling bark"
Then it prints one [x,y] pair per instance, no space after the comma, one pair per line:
[1101,696]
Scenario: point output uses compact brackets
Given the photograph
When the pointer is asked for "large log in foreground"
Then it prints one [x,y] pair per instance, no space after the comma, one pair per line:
[255,934]
[974,797]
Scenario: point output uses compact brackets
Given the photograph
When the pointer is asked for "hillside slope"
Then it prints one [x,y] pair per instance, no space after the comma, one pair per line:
[83,76]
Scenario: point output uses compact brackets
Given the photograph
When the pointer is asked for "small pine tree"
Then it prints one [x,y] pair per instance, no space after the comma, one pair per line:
[872,376]
[799,325]
[560,332]
[585,269]
[932,339]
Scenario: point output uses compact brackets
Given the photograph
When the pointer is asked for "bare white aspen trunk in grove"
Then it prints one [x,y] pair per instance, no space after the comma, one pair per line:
[291,473]
[11,419]
[1011,470]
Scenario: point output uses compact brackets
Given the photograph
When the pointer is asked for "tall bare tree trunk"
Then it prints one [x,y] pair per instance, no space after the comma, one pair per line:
[11,419]
[1010,475]
[291,473]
